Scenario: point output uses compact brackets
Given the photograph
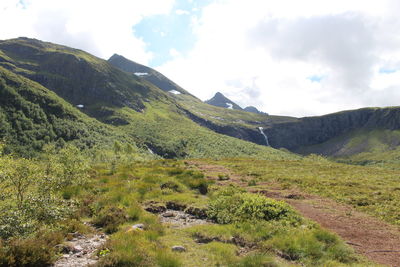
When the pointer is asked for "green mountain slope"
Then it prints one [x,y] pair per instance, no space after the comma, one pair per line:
[31,116]
[146,73]
[137,110]
[330,135]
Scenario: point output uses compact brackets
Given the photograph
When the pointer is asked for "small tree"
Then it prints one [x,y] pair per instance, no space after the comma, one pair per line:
[17,176]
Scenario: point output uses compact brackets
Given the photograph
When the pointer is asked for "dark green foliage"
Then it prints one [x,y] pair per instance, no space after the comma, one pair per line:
[32,116]
[230,205]
[35,252]
[110,218]
[194,180]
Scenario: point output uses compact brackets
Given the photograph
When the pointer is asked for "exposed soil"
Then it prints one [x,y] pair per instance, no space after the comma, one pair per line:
[370,237]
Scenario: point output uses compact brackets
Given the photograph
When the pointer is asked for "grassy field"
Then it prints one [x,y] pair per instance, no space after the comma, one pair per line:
[133,186]
[374,190]
[247,229]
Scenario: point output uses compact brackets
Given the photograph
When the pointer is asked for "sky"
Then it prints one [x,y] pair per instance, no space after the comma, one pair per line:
[285,57]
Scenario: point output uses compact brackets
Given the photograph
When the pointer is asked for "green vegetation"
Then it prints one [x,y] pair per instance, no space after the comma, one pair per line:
[224,116]
[32,116]
[373,190]
[233,205]
[104,165]
[115,201]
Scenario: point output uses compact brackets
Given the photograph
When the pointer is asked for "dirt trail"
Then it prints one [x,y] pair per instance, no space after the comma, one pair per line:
[376,240]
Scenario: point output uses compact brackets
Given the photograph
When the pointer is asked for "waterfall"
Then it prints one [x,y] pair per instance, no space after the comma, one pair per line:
[265,136]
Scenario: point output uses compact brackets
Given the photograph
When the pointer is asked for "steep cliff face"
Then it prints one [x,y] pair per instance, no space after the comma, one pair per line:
[146,73]
[307,134]
[316,130]
[78,77]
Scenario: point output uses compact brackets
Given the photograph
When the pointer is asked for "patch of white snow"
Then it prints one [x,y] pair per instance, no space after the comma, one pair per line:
[141,73]
[80,106]
[175,92]
[230,106]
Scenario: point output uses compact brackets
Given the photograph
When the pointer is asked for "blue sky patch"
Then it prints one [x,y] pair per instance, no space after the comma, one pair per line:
[387,70]
[163,33]
[316,78]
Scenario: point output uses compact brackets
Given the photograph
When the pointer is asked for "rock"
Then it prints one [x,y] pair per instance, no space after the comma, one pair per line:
[175,206]
[154,208]
[77,249]
[178,248]
[294,196]
[168,214]
[197,212]
[138,226]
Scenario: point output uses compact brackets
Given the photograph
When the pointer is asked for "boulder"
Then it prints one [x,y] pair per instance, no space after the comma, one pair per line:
[178,248]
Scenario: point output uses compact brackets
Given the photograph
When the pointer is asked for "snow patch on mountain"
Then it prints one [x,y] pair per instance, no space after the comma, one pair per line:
[174,92]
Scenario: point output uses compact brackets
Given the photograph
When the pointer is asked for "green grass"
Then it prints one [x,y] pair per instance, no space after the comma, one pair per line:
[137,184]
[372,190]
[224,116]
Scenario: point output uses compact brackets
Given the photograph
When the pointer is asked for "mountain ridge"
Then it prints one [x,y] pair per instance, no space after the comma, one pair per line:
[219,100]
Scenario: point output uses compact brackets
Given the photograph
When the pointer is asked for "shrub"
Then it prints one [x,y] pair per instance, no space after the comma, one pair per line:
[110,218]
[127,250]
[230,206]
[194,180]
[252,183]
[171,185]
[27,252]
[223,177]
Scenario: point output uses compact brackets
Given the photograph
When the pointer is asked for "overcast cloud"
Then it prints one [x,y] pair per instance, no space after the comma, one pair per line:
[285,57]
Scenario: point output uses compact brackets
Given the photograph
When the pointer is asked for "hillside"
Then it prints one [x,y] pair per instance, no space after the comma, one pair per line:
[330,135]
[146,73]
[139,111]
[31,116]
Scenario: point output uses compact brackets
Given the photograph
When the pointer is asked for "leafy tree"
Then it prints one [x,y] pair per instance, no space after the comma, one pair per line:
[18,176]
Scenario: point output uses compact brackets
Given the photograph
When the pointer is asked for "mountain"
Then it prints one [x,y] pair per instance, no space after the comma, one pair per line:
[219,100]
[146,73]
[93,103]
[254,110]
[53,93]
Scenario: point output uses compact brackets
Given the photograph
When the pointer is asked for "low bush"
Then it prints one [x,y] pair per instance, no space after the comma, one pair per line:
[312,246]
[231,205]
[223,177]
[27,252]
[110,218]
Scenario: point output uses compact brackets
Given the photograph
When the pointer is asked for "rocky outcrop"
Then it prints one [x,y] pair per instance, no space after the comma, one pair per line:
[316,130]
[252,135]
[310,131]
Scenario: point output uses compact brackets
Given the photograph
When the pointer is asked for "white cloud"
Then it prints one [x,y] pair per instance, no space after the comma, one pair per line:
[257,52]
[182,12]
[99,27]
[261,52]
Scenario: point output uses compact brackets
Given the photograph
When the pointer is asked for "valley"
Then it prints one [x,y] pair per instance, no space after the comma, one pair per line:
[114,153]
